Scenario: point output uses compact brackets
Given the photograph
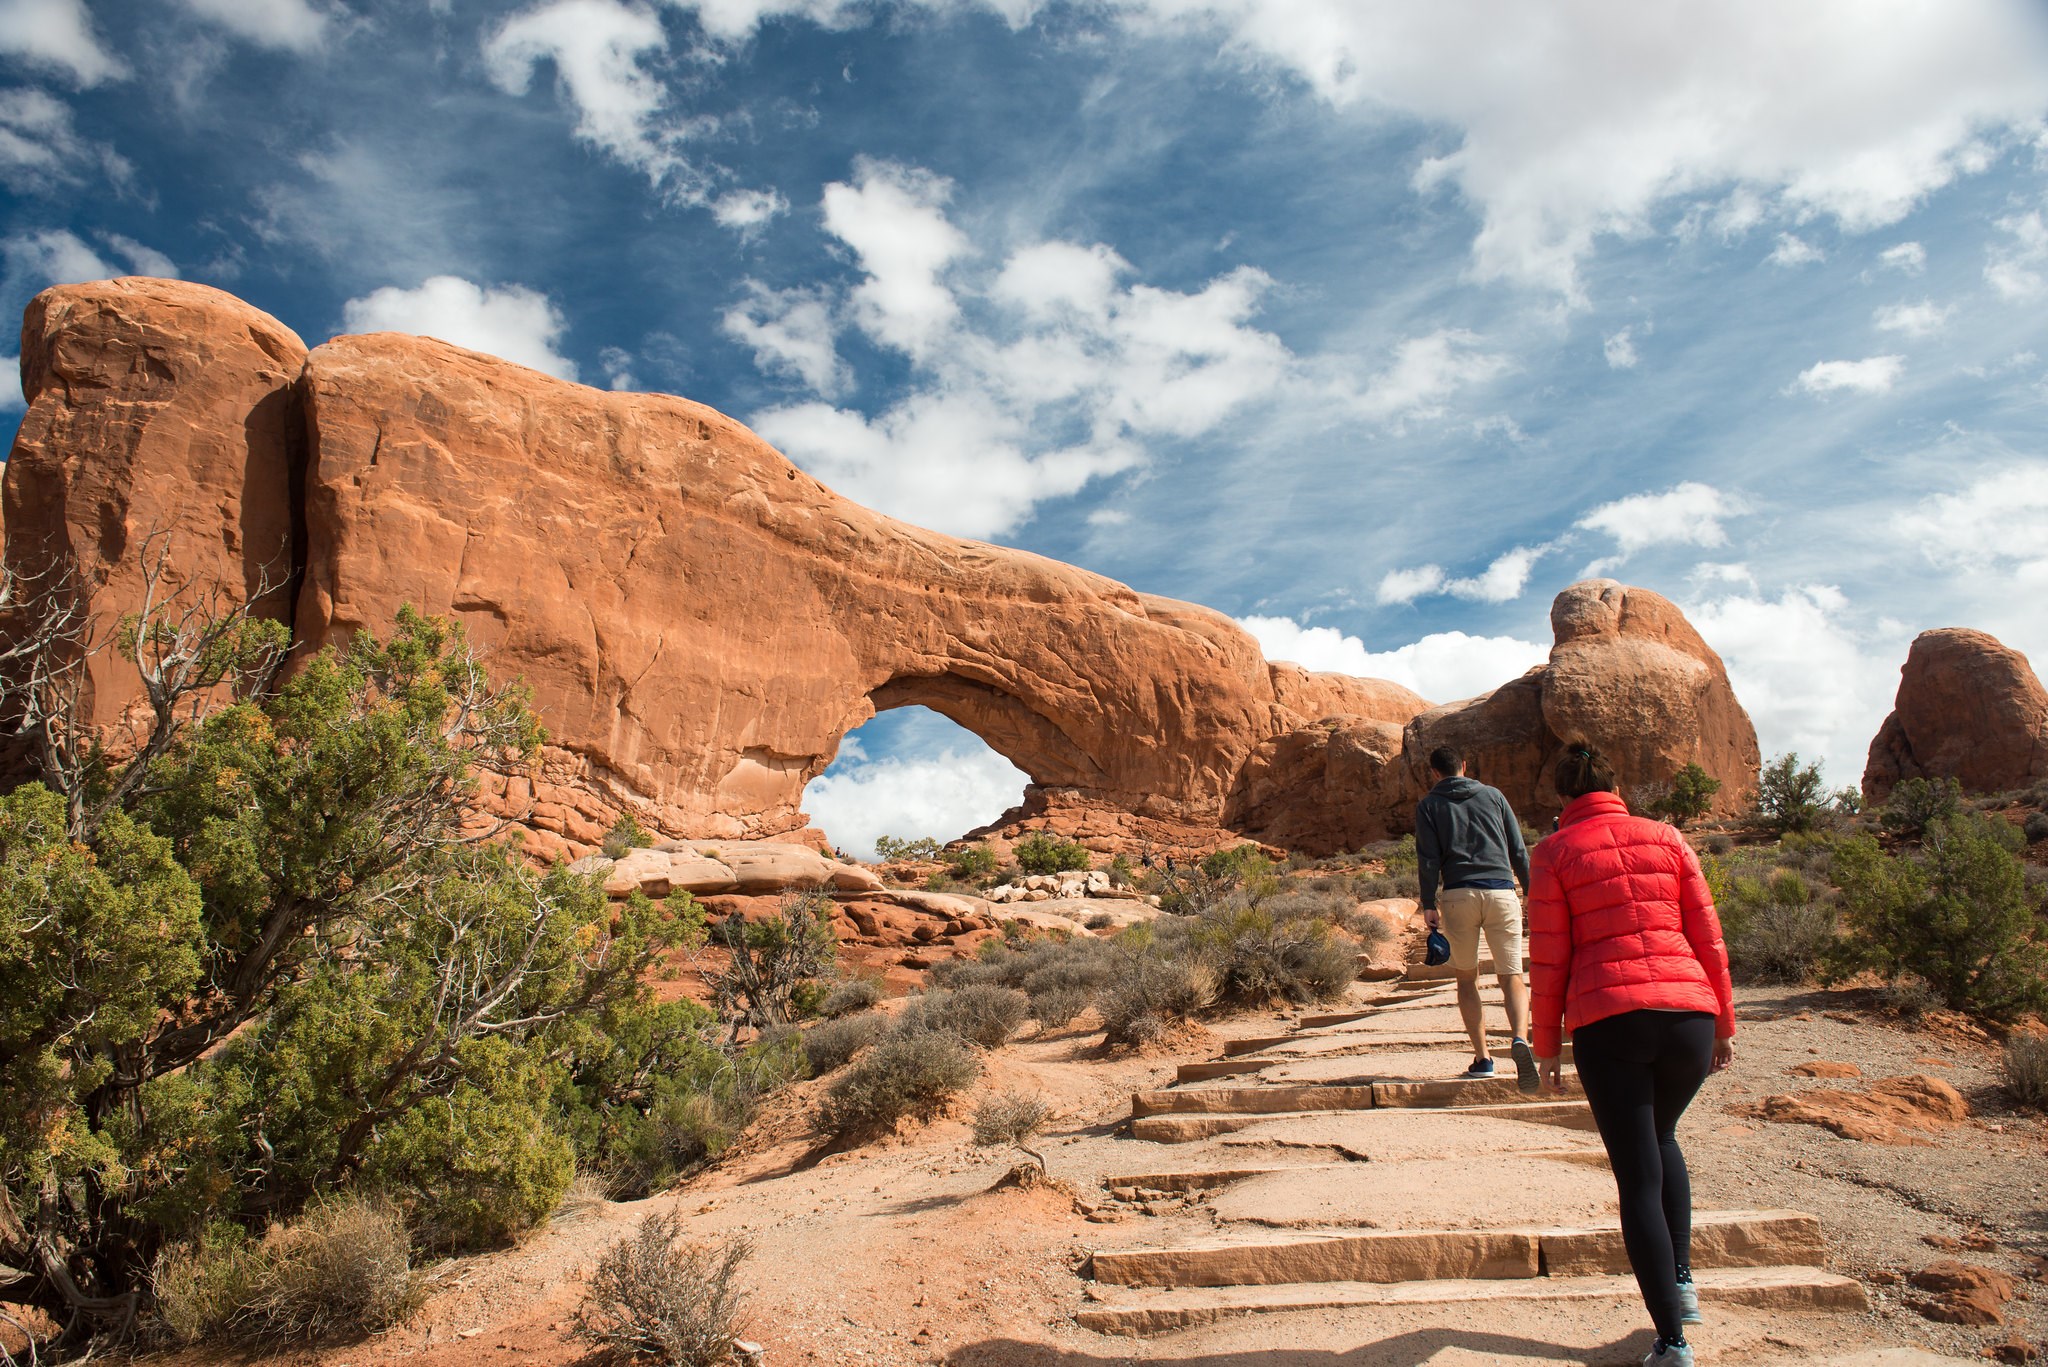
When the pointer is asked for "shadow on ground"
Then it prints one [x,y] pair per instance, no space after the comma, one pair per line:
[1460,1346]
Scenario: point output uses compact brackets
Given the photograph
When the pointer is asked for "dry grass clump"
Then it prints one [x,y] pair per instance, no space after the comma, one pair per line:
[1011,1118]
[982,1013]
[653,1294]
[2025,1071]
[830,1044]
[1153,993]
[911,1072]
[342,1270]
[849,996]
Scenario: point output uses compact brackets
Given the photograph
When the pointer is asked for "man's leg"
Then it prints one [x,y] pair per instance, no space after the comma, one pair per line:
[1470,1007]
[1515,988]
[1503,926]
[1462,911]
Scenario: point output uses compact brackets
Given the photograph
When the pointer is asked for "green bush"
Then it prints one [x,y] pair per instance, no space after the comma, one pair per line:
[652,1294]
[1121,874]
[1151,993]
[1778,927]
[1041,853]
[776,965]
[1238,864]
[829,1045]
[625,836]
[1791,796]
[983,1014]
[1956,912]
[889,849]
[909,1073]
[970,863]
[1689,797]
[2024,1070]
[2035,827]
[1056,1007]
[1261,958]
[1916,804]
[849,996]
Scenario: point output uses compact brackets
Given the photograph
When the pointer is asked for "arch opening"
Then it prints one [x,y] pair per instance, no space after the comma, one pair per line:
[910,772]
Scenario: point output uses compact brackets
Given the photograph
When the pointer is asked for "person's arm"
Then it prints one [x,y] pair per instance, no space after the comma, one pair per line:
[1428,862]
[1518,849]
[1550,958]
[1702,926]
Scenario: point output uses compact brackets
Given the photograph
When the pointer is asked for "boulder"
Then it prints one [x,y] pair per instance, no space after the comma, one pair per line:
[1962,1293]
[1896,1110]
[1968,708]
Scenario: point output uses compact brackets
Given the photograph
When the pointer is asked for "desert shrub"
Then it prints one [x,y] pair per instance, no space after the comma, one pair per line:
[983,1013]
[1259,957]
[909,1073]
[1790,796]
[1014,1119]
[829,1044]
[588,1193]
[1719,844]
[1397,855]
[1121,874]
[1374,887]
[2035,827]
[1057,1006]
[970,863]
[775,964]
[1688,798]
[1041,853]
[1917,804]
[2024,1070]
[1907,998]
[1238,864]
[1100,920]
[625,836]
[1956,912]
[1151,993]
[889,849]
[342,1270]
[653,1294]
[1777,926]
[849,996]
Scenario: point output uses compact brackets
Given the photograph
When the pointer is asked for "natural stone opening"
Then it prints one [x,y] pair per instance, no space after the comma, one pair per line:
[910,772]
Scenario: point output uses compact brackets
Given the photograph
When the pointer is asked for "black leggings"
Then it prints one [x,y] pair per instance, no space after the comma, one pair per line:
[1640,1070]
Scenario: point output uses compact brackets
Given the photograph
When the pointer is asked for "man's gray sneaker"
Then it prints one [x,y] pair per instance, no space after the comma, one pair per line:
[1689,1304]
[1525,1067]
[1482,1067]
[1669,1355]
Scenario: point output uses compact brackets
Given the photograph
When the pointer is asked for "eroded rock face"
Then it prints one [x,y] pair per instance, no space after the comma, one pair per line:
[155,407]
[1968,708]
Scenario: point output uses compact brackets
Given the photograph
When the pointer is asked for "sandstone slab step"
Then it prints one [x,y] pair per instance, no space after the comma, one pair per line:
[1145,1311]
[1180,1128]
[1508,1189]
[1271,1100]
[1753,1238]
[1396,1137]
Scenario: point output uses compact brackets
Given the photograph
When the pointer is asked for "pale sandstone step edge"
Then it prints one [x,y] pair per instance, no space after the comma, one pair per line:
[1766,1288]
[1208,1179]
[1172,1128]
[1753,1238]
[1323,1096]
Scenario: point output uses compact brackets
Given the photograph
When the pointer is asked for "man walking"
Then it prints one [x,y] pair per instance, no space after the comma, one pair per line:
[1467,836]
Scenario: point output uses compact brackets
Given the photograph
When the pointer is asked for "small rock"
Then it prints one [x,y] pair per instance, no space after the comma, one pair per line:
[1824,1068]
[1882,1276]
[1963,1293]
[749,1354]
[2012,1350]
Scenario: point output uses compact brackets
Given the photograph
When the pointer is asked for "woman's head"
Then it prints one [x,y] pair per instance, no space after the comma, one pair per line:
[1580,770]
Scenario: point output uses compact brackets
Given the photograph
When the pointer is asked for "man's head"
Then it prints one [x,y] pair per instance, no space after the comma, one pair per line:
[1446,761]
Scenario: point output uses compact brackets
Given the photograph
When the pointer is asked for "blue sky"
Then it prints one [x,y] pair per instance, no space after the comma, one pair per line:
[1371,324]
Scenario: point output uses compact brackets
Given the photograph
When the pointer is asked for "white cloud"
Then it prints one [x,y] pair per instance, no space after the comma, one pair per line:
[1688,514]
[40,148]
[1425,372]
[1909,257]
[1999,522]
[2014,269]
[11,397]
[1029,376]
[942,796]
[511,321]
[618,368]
[57,34]
[292,25]
[1443,667]
[1795,251]
[1109,517]
[1871,375]
[747,211]
[596,48]
[1405,586]
[1620,350]
[1811,679]
[55,257]
[792,333]
[143,260]
[1915,320]
[1712,572]
[1580,118]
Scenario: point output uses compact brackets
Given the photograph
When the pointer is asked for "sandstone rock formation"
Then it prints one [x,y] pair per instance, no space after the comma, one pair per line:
[1969,709]
[1626,672]
[701,623]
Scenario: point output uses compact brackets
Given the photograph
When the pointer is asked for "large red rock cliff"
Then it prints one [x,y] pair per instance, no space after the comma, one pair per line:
[1968,708]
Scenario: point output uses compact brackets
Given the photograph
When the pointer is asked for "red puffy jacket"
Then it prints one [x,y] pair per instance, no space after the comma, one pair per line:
[1620,919]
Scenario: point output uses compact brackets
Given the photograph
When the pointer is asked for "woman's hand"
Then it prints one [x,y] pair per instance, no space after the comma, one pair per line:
[1724,1054]
[1550,1072]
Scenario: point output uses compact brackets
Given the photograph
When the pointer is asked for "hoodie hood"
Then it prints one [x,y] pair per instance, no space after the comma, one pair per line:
[1459,789]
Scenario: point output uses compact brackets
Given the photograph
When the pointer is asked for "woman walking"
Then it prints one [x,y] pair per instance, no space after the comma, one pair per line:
[1626,951]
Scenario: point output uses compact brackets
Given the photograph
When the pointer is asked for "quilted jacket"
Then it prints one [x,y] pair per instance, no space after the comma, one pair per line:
[1620,919]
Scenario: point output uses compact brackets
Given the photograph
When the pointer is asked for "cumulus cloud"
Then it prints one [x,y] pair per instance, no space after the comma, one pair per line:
[1620,350]
[57,35]
[1999,522]
[596,49]
[511,321]
[141,259]
[1915,320]
[1795,251]
[1500,582]
[939,796]
[1909,258]
[55,257]
[1424,373]
[1405,586]
[747,211]
[1031,372]
[1689,514]
[1812,679]
[290,25]
[1871,375]
[2014,268]
[40,148]
[1443,667]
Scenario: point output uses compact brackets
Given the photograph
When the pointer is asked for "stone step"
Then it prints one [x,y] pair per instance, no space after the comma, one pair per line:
[1213,1179]
[1183,1127]
[1720,1239]
[1376,1095]
[1144,1311]
[1441,973]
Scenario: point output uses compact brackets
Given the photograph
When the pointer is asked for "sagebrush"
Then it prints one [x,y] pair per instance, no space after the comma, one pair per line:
[657,1294]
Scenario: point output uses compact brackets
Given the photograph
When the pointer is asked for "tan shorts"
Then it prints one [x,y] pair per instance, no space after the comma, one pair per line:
[1498,912]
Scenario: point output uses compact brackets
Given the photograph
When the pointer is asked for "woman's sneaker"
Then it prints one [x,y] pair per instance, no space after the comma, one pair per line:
[1525,1067]
[1689,1304]
[1669,1355]
[1482,1067]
